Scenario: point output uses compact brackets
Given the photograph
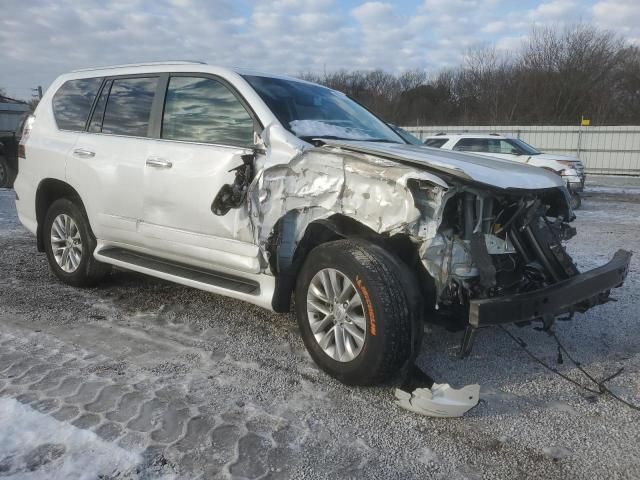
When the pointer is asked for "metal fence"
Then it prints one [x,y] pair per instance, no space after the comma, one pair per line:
[611,150]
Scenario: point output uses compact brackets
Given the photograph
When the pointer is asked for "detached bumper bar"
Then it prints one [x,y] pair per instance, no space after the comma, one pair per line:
[577,293]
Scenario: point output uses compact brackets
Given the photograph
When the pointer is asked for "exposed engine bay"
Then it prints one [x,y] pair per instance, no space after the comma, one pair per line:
[490,245]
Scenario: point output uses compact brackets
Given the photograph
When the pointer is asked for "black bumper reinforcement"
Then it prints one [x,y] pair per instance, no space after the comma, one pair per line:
[578,293]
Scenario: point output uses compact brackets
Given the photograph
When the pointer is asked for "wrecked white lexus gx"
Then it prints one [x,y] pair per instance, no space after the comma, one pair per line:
[261,187]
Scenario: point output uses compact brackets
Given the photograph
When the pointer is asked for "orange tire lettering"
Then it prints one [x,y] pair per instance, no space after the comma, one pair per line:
[367,301]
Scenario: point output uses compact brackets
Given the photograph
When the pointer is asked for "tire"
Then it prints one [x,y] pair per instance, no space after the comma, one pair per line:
[80,268]
[389,309]
[576,201]
[6,174]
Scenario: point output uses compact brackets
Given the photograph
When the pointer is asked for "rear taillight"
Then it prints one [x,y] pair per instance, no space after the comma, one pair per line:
[26,130]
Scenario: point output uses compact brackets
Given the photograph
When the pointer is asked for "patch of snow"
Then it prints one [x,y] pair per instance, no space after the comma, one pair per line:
[612,189]
[311,128]
[36,446]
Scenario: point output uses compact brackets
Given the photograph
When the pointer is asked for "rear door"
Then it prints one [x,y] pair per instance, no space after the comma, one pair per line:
[109,159]
[205,128]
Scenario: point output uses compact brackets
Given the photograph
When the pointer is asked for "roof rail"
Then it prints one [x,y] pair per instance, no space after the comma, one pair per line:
[145,64]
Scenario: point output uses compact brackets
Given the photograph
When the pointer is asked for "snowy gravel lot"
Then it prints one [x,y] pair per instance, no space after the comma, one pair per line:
[140,378]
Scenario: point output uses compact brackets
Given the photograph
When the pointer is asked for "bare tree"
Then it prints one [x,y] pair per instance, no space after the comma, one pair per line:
[556,76]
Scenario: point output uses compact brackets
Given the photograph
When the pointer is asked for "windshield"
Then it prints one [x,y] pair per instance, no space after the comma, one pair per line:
[524,147]
[406,136]
[310,111]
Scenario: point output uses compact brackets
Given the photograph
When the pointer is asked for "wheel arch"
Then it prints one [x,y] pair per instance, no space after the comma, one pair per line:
[49,190]
[286,256]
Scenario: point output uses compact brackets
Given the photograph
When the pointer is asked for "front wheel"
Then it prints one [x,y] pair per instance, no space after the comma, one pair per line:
[354,312]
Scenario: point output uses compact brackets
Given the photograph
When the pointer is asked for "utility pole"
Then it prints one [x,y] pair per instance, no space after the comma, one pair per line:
[38,92]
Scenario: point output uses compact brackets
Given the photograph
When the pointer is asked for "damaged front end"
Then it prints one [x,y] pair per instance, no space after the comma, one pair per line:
[484,238]
[499,258]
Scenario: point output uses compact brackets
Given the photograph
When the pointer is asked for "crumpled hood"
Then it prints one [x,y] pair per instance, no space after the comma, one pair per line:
[495,172]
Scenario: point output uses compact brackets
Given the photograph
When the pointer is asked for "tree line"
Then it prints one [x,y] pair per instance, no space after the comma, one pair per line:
[555,77]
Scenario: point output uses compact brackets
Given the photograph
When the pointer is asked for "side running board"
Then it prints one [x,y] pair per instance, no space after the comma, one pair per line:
[149,264]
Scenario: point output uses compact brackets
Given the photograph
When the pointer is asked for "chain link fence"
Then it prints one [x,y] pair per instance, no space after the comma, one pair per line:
[609,150]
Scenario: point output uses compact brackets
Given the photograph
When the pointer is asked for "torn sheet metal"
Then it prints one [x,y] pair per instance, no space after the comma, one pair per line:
[315,183]
[440,400]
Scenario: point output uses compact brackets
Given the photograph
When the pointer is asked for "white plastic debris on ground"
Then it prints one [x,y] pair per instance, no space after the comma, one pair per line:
[440,400]
[36,446]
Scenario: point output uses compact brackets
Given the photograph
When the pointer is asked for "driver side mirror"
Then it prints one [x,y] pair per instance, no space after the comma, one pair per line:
[515,151]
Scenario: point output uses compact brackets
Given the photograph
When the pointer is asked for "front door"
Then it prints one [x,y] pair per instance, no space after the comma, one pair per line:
[205,130]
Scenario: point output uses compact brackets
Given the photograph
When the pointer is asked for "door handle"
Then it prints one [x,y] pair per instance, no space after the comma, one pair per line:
[84,153]
[158,163]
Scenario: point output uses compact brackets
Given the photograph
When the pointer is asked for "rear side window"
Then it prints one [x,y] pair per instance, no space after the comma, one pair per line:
[435,142]
[72,103]
[472,145]
[206,111]
[129,106]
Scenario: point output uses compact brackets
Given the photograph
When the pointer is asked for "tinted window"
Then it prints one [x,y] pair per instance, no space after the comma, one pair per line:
[204,110]
[98,113]
[472,145]
[129,106]
[406,136]
[435,142]
[310,111]
[72,103]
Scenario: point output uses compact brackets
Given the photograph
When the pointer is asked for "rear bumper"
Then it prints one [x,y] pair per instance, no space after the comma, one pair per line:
[577,293]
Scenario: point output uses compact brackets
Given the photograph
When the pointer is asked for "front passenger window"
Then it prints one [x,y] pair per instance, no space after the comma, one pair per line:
[204,110]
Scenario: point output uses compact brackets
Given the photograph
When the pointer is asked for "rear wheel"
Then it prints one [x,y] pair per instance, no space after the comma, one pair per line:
[354,312]
[6,173]
[576,201]
[69,243]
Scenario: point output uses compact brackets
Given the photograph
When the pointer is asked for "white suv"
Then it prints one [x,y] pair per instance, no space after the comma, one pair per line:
[261,188]
[569,168]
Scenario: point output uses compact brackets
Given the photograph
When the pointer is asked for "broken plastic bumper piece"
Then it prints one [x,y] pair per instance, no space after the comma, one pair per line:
[578,293]
[440,400]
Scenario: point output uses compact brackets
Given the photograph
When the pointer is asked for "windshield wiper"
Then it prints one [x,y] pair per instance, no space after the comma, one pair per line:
[379,140]
[310,138]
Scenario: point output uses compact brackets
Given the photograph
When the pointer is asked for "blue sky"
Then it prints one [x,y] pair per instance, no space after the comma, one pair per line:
[40,39]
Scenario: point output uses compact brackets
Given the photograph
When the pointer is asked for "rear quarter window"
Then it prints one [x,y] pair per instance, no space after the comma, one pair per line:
[72,103]
[435,142]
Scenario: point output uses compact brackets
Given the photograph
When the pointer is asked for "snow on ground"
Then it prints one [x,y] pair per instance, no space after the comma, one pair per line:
[36,446]
[204,387]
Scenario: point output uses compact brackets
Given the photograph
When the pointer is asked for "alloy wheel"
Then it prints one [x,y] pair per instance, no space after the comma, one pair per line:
[66,243]
[336,315]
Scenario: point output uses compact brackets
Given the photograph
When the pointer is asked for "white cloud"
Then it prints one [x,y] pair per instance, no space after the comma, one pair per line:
[554,11]
[40,39]
[495,27]
[622,16]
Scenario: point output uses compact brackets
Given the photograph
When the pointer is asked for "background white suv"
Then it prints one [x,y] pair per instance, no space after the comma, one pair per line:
[569,168]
